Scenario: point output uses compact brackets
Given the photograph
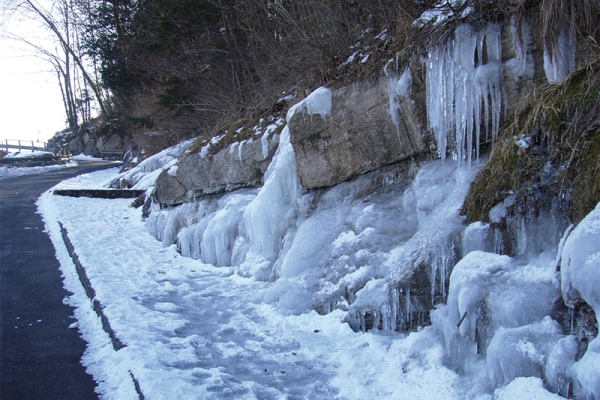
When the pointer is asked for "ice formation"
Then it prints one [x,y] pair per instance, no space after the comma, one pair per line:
[521,66]
[318,102]
[559,60]
[580,273]
[464,90]
[398,87]
[143,176]
[388,257]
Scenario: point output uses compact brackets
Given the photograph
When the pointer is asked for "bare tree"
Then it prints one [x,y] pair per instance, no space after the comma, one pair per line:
[60,19]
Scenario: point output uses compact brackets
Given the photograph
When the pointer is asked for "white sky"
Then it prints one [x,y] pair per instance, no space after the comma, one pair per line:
[30,101]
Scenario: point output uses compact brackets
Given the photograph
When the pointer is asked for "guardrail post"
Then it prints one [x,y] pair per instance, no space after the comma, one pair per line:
[6,141]
[19,146]
[32,147]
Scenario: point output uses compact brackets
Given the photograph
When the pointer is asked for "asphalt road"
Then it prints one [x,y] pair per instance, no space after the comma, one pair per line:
[39,355]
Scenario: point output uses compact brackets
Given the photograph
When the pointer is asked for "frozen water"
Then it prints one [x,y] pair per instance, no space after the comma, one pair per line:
[464,90]
[242,323]
[271,213]
[318,102]
[580,273]
[525,388]
[522,351]
[398,87]
[522,65]
[559,60]
[488,292]
[443,11]
[144,175]
[580,262]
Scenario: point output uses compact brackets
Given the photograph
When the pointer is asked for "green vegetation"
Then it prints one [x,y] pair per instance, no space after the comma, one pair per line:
[563,122]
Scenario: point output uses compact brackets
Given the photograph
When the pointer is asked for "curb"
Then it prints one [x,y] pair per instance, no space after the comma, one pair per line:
[98,308]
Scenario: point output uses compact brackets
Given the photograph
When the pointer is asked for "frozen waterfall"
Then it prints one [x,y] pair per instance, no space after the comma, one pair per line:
[463,90]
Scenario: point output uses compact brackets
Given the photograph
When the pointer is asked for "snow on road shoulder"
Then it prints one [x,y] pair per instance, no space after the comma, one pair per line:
[10,172]
[193,330]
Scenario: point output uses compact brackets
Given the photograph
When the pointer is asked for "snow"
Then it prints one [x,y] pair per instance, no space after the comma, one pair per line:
[525,388]
[143,176]
[193,330]
[9,172]
[28,154]
[318,102]
[85,157]
[443,11]
[280,292]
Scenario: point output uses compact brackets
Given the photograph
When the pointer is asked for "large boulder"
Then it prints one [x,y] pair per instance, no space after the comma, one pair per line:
[361,133]
[239,165]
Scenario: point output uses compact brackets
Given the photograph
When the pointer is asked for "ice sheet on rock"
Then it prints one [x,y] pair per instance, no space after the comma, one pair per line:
[580,265]
[217,242]
[522,351]
[398,87]
[558,361]
[586,372]
[272,212]
[488,292]
[521,66]
[559,60]
[430,208]
[464,90]
[476,237]
[580,273]
[144,175]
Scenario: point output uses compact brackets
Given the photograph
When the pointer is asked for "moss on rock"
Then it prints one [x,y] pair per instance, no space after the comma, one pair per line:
[561,124]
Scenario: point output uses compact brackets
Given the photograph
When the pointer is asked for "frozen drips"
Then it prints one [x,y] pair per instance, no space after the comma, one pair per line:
[463,90]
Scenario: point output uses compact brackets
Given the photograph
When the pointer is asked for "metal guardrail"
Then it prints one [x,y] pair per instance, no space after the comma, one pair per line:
[111,154]
[34,161]
[21,145]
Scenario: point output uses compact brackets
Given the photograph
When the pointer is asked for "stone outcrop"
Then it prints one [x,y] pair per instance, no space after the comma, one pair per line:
[239,165]
[100,135]
[359,136]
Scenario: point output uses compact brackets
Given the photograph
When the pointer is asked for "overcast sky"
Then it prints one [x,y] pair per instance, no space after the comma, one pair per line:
[30,101]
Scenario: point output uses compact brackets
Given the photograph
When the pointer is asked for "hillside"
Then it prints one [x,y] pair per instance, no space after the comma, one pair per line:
[405,164]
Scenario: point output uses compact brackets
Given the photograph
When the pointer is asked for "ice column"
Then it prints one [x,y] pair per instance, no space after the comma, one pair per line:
[560,59]
[463,89]
[272,212]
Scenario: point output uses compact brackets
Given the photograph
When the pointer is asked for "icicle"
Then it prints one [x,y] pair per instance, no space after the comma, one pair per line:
[560,60]
[460,81]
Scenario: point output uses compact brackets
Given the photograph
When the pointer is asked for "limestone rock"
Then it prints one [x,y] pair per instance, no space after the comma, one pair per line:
[239,165]
[358,137]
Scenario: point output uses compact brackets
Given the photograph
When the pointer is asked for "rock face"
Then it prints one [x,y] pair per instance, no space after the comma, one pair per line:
[100,135]
[359,136]
[239,165]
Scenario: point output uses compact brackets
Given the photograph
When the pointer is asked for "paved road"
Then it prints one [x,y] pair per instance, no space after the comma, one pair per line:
[39,354]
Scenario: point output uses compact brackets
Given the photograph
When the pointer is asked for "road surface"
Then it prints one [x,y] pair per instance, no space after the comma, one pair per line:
[39,354]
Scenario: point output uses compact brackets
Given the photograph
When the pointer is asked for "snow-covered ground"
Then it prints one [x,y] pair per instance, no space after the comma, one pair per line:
[193,330]
[7,171]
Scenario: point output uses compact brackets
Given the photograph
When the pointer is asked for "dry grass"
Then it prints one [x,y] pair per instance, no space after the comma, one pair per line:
[582,17]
